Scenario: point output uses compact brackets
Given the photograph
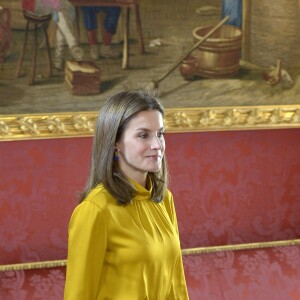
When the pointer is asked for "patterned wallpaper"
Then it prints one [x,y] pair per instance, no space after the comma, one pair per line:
[236,187]
[229,188]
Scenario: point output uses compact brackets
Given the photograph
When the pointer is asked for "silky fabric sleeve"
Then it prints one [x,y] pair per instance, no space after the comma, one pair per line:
[87,244]
[178,288]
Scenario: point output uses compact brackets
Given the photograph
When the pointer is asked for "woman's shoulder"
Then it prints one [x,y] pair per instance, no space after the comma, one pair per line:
[100,197]
[94,209]
[168,196]
[168,200]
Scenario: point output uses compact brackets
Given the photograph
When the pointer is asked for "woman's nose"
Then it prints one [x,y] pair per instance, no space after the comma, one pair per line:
[156,144]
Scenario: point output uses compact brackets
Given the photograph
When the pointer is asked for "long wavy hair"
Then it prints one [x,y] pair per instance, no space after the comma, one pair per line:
[111,123]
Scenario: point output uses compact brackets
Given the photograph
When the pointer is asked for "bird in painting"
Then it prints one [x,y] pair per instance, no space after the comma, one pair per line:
[278,75]
[273,76]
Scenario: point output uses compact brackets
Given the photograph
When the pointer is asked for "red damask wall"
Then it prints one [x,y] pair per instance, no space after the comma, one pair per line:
[229,187]
[236,187]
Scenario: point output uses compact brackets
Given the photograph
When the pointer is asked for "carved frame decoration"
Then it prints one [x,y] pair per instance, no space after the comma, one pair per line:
[78,124]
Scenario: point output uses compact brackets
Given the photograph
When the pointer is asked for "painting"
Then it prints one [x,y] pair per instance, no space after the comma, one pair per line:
[245,75]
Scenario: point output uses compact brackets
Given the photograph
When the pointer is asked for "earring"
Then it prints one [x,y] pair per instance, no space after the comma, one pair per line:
[116,157]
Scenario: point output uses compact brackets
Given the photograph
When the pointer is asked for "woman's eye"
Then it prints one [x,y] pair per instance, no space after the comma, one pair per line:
[143,135]
[160,134]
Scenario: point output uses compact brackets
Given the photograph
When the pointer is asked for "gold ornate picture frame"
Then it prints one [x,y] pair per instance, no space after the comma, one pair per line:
[198,105]
[58,125]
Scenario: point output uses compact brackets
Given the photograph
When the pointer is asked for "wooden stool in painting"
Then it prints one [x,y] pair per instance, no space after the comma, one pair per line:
[5,33]
[127,5]
[37,21]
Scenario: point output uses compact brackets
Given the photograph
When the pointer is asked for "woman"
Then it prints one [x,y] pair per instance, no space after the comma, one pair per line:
[123,236]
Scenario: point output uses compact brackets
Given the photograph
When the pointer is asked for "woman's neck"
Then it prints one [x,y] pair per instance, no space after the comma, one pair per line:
[141,179]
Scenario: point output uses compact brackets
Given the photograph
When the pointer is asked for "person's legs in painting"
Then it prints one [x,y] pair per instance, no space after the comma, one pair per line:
[112,15]
[65,33]
[111,18]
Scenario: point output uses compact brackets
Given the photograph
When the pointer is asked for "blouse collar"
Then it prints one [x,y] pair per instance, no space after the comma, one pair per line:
[142,193]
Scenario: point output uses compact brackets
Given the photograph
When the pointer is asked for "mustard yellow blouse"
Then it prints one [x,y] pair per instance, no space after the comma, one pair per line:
[124,252]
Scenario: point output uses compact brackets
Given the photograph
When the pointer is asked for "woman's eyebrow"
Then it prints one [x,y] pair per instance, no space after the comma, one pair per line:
[147,129]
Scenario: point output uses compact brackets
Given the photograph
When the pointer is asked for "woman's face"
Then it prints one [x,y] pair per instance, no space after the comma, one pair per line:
[142,145]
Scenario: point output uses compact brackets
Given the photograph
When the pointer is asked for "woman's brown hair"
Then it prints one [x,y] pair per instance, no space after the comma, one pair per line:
[111,123]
